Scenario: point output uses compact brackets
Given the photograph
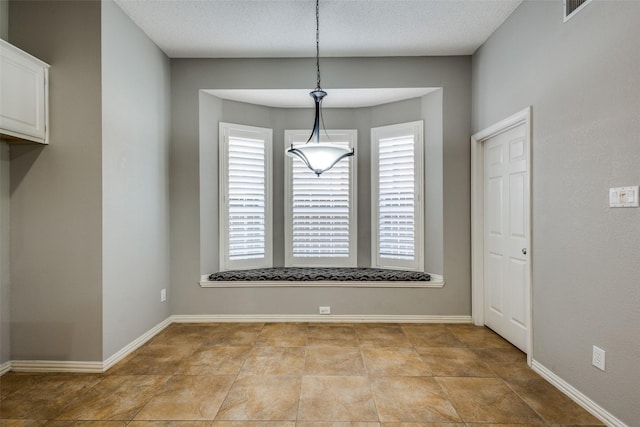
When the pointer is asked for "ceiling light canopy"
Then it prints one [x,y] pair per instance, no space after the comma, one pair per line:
[319,157]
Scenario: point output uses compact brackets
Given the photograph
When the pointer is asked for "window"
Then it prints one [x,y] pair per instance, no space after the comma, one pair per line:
[245,197]
[397,196]
[320,212]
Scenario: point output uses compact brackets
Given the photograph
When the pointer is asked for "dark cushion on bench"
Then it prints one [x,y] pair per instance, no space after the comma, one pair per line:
[316,274]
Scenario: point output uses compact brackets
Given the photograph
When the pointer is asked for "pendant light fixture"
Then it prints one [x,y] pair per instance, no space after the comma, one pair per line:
[319,157]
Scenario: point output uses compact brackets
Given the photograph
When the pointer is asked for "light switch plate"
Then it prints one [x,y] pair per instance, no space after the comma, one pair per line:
[623,197]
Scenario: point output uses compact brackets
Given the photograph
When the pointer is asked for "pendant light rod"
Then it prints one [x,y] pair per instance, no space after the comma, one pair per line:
[319,157]
[318,43]
[318,94]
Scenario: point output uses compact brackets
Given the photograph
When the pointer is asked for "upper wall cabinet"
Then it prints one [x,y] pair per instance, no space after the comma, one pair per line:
[24,100]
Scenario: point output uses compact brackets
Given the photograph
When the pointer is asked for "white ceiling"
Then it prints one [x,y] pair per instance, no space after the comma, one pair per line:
[286,28]
[348,28]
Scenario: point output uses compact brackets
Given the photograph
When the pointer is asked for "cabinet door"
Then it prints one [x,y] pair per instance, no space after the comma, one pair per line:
[23,99]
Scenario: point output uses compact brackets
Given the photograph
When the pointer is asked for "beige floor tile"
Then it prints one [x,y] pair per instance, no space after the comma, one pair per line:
[283,335]
[58,423]
[394,361]
[336,424]
[46,396]
[116,397]
[169,424]
[333,335]
[12,382]
[513,370]
[454,362]
[412,399]
[336,399]
[215,361]
[504,425]
[180,334]
[187,397]
[487,400]
[506,362]
[424,425]
[274,361]
[478,336]
[262,398]
[300,375]
[501,355]
[431,336]
[424,326]
[574,425]
[233,334]
[253,424]
[331,360]
[550,403]
[160,359]
[379,335]
[22,423]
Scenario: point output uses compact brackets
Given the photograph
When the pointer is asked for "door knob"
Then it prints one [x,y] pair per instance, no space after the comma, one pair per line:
[524,251]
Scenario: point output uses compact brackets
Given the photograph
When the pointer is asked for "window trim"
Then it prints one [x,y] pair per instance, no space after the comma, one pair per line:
[225,131]
[416,128]
[290,137]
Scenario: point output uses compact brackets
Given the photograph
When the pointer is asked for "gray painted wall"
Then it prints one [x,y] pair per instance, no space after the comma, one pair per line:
[5,289]
[432,111]
[90,211]
[56,191]
[189,260]
[135,180]
[582,80]
[4,19]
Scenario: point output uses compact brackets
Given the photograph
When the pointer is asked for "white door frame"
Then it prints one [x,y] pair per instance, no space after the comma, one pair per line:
[477,216]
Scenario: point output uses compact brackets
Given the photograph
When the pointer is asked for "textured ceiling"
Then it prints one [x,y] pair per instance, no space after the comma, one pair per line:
[286,28]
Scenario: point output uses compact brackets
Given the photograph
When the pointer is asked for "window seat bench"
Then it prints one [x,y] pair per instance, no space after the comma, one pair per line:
[322,277]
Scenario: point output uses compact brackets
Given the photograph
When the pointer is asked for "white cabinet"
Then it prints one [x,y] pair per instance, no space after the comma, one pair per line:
[24,100]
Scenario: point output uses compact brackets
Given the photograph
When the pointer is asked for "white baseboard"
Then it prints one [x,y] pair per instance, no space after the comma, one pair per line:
[135,344]
[83,367]
[215,318]
[56,366]
[577,396]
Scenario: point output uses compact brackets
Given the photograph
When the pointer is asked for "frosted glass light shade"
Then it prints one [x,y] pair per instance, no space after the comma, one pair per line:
[319,157]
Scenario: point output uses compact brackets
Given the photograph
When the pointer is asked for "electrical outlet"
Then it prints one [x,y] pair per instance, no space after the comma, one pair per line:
[598,357]
[163,295]
[325,310]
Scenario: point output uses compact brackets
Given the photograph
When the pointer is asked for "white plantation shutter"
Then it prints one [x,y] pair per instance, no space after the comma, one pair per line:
[397,196]
[320,211]
[247,182]
[245,227]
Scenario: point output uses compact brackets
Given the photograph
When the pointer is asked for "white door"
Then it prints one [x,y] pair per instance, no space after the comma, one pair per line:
[506,235]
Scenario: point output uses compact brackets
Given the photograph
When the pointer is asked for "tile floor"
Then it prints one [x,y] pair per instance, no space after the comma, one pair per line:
[300,375]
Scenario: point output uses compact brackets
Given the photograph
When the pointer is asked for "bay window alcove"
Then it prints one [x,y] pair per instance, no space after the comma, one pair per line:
[292,238]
